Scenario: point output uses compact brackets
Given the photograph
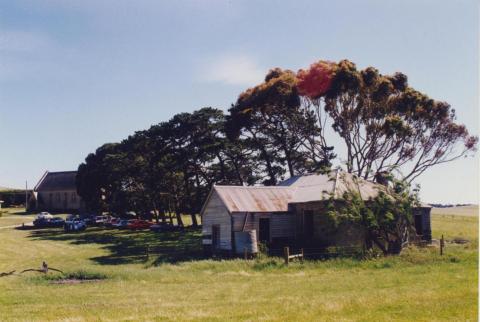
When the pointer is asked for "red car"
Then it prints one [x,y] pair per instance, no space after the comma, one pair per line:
[138,224]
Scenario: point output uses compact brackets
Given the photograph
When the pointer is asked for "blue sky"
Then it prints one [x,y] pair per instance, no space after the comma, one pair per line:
[77,74]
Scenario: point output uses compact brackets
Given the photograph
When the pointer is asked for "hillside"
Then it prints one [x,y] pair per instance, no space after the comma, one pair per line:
[6,188]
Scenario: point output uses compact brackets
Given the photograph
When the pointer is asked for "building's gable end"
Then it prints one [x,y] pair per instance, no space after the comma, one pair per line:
[215,213]
[40,181]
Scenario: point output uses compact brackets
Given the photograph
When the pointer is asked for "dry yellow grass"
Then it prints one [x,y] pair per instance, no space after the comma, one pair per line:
[457,211]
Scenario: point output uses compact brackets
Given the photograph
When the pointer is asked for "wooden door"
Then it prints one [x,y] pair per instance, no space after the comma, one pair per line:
[215,236]
[418,224]
[264,229]
[308,225]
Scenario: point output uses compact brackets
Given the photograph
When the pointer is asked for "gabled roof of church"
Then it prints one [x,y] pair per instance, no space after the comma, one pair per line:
[53,181]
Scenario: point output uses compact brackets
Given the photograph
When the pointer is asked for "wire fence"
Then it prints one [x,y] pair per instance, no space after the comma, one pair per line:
[319,252]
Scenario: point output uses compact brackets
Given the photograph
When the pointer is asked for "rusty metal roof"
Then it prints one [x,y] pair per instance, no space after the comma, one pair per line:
[255,199]
[316,187]
[305,188]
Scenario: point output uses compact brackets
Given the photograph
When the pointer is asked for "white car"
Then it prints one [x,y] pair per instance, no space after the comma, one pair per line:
[100,220]
[44,215]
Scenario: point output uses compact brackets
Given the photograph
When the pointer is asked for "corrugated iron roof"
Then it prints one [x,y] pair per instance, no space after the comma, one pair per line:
[316,187]
[306,188]
[255,199]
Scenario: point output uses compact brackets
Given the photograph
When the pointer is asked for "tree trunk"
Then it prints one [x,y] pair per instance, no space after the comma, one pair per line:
[273,180]
[289,162]
[163,216]
[222,166]
[194,220]
[179,218]
[155,211]
[237,172]
[368,242]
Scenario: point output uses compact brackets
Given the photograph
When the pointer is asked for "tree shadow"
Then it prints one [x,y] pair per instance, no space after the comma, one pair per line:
[18,211]
[127,247]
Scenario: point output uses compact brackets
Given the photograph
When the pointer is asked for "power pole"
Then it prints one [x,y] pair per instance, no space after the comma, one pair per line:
[26,196]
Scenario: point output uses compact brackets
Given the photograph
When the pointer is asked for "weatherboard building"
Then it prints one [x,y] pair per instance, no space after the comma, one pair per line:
[57,192]
[293,211]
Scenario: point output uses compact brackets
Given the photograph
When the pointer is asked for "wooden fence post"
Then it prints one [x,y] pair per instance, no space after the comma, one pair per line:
[303,255]
[286,253]
[245,254]
[147,252]
[442,245]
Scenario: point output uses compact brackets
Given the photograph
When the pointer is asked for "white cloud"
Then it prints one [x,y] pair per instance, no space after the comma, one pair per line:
[233,70]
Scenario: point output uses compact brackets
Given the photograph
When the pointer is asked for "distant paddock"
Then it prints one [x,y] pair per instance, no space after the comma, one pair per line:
[457,211]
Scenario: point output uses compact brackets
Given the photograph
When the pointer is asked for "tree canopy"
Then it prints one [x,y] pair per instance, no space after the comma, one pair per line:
[385,124]
[281,127]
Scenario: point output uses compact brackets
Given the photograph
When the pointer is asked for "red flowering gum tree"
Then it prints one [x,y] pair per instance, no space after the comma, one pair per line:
[280,132]
[384,123]
[317,80]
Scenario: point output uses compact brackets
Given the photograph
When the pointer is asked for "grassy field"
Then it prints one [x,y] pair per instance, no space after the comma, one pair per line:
[457,211]
[177,284]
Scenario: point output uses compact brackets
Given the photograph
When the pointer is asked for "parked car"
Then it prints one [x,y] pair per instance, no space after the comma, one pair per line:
[88,219]
[75,224]
[100,220]
[44,215]
[159,227]
[121,224]
[56,222]
[71,218]
[44,222]
[111,221]
[40,222]
[138,224]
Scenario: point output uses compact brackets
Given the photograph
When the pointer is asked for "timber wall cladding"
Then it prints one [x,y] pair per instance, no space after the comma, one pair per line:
[217,214]
[281,224]
[59,199]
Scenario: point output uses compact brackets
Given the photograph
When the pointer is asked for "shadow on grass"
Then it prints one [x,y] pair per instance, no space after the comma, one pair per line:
[18,211]
[125,246]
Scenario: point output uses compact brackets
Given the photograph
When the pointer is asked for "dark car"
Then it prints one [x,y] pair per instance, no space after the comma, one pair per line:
[89,220]
[56,222]
[48,222]
[121,224]
[40,222]
[138,224]
[75,224]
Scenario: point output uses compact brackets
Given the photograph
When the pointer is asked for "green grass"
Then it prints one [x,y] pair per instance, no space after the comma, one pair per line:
[175,283]
[80,275]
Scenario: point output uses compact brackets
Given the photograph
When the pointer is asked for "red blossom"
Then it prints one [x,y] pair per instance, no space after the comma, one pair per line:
[316,80]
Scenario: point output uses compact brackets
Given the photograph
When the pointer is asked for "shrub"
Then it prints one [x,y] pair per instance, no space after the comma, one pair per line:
[78,275]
